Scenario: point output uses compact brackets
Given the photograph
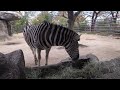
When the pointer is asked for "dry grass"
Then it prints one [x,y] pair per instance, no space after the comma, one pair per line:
[102,70]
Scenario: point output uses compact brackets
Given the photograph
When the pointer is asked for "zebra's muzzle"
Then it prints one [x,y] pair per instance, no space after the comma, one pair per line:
[76,58]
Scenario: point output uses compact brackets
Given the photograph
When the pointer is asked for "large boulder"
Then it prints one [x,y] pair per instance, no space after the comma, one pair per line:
[12,65]
[10,15]
[5,26]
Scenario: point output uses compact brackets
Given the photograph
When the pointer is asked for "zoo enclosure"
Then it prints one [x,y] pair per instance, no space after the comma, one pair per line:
[100,25]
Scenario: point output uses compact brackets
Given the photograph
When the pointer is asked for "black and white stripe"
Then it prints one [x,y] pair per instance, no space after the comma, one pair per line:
[45,35]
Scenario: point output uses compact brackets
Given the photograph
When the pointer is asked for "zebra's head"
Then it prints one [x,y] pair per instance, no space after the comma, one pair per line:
[73,47]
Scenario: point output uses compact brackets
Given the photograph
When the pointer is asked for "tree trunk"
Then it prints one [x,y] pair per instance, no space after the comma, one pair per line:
[114,24]
[93,25]
[114,20]
[78,24]
[70,24]
[70,20]
[94,18]
[114,16]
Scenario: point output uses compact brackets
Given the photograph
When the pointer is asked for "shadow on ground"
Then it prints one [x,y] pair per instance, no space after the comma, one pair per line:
[11,43]
[83,46]
[80,45]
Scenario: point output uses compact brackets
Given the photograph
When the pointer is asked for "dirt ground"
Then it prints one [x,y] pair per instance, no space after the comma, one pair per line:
[104,47]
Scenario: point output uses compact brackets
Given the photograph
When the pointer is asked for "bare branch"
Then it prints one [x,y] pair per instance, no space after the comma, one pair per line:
[117,13]
[76,14]
[97,12]
[64,15]
[112,13]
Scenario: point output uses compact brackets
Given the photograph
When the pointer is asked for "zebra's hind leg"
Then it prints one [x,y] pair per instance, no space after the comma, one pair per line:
[34,54]
[47,55]
[39,56]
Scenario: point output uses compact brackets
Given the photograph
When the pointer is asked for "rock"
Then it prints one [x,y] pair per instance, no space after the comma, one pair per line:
[12,65]
[5,25]
[9,15]
[3,64]
[84,60]
[92,58]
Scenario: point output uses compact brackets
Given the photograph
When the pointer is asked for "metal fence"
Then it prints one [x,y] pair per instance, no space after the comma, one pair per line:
[101,25]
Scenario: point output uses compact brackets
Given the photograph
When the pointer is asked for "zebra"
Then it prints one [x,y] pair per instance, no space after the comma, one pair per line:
[45,35]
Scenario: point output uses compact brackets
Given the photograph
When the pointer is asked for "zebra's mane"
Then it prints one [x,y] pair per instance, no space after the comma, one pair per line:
[59,26]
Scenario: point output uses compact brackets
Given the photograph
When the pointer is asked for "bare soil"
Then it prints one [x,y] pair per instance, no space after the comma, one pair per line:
[104,47]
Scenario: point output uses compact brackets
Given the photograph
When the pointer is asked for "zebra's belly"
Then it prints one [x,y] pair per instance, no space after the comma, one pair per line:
[44,44]
[43,47]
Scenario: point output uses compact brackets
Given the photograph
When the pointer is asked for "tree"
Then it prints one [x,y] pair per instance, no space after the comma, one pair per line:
[80,20]
[60,20]
[18,25]
[71,16]
[114,16]
[44,15]
[94,17]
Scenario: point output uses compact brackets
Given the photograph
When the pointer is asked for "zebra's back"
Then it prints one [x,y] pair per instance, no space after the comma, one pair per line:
[54,35]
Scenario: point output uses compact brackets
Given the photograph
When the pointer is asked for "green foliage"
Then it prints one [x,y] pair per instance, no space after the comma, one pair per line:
[60,20]
[81,26]
[41,17]
[63,21]
[18,25]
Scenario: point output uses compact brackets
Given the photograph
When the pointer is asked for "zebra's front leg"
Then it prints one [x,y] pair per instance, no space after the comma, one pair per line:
[47,55]
[39,56]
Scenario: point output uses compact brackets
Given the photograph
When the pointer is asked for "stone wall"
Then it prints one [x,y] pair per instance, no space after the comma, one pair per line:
[3,30]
